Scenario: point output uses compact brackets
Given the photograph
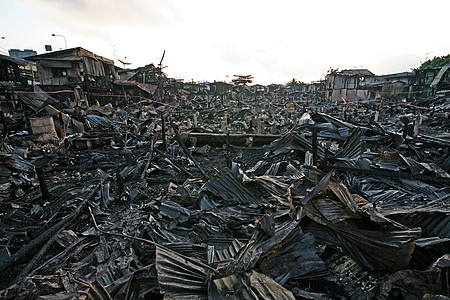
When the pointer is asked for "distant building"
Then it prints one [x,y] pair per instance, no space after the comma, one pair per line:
[393,86]
[348,84]
[220,88]
[17,53]
[432,80]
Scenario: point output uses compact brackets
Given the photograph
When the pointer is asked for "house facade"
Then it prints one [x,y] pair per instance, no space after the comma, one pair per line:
[76,68]
[393,86]
[348,84]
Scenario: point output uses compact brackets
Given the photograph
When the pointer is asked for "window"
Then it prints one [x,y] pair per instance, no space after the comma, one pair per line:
[59,72]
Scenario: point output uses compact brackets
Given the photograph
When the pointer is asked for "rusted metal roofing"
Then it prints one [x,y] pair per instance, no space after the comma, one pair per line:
[71,53]
[352,72]
[17,61]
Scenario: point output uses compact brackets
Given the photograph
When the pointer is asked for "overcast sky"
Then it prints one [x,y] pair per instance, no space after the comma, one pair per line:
[274,41]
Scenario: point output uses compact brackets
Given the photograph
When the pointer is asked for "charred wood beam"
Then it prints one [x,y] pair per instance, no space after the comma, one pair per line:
[83,168]
[220,139]
[25,271]
[150,157]
[163,125]
[46,235]
[120,181]
[42,182]
[314,146]
[173,163]
[186,150]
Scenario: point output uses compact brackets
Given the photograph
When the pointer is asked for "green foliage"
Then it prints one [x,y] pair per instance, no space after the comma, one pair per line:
[435,62]
[295,85]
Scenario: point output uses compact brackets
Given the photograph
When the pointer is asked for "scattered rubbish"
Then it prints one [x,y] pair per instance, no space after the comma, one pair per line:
[132,185]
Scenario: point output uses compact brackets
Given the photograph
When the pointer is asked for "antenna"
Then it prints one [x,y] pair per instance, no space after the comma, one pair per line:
[160,62]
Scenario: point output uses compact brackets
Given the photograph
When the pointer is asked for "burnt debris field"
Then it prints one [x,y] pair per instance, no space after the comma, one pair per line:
[153,191]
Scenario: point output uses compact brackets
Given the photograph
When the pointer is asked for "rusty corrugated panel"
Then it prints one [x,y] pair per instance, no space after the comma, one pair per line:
[285,253]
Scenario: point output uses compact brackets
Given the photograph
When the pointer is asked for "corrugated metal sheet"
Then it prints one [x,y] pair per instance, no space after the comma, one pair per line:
[217,255]
[352,147]
[439,75]
[93,67]
[293,141]
[248,285]
[295,257]
[375,249]
[294,173]
[15,162]
[231,190]
[95,121]
[179,278]
[433,223]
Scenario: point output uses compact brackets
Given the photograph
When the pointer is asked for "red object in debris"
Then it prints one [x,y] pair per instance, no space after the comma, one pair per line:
[346,101]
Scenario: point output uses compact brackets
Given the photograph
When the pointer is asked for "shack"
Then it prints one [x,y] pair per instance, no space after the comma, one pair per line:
[348,84]
[76,68]
[16,74]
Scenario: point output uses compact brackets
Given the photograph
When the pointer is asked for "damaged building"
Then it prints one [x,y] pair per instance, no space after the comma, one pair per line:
[348,84]
[91,75]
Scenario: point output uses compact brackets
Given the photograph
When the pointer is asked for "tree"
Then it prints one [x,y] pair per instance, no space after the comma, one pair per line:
[435,62]
[295,85]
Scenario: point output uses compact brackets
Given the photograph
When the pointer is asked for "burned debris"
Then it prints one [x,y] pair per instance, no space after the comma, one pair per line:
[127,184]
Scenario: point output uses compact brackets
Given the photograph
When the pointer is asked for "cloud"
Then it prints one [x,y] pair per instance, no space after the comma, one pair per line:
[97,18]
[108,12]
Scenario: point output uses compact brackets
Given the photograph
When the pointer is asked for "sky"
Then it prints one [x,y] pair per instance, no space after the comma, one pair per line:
[274,41]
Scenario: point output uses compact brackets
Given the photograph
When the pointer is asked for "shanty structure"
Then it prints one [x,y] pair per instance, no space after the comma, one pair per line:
[76,67]
[220,88]
[393,86]
[15,74]
[348,84]
[432,80]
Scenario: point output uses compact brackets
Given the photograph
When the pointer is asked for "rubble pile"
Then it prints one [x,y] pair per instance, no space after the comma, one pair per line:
[280,199]
[127,184]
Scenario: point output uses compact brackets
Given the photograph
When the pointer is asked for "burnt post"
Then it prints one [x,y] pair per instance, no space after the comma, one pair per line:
[324,163]
[405,126]
[163,125]
[5,125]
[42,183]
[61,124]
[314,146]
[120,181]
